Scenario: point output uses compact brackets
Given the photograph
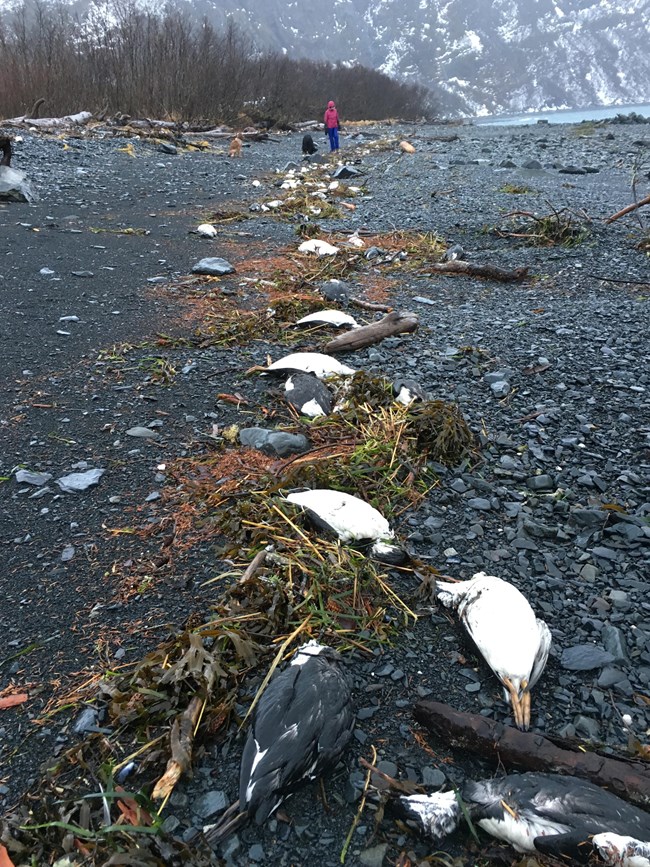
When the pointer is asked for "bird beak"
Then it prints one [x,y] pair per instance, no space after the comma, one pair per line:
[520,706]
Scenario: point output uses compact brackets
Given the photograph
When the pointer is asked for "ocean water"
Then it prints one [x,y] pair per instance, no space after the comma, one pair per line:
[598,112]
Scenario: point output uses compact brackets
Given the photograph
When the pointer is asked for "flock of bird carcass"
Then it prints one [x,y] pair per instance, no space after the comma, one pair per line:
[305,718]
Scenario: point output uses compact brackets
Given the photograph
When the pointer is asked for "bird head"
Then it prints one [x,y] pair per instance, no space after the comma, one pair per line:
[437,814]
[618,851]
[304,653]
[516,691]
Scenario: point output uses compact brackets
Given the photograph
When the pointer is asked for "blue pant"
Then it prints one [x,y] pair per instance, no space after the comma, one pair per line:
[333,134]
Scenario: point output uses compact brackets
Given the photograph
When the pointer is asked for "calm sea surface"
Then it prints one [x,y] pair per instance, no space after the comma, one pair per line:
[564,116]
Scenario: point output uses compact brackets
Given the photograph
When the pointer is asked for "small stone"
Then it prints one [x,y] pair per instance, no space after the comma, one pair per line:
[587,727]
[583,657]
[540,483]
[210,804]
[343,172]
[610,676]
[374,856]
[479,503]
[256,852]
[143,432]
[433,777]
[170,824]
[274,443]
[67,553]
[614,642]
[500,389]
[387,767]
[86,721]
[213,266]
[29,478]
[75,482]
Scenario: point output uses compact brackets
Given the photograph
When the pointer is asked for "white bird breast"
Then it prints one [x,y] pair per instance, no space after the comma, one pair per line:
[503,625]
[318,363]
[521,832]
[329,317]
[349,517]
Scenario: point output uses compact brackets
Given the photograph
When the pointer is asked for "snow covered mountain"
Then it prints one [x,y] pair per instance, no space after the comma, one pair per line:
[481,56]
[477,56]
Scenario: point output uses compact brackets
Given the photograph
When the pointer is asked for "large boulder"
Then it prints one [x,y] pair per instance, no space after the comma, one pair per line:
[14,186]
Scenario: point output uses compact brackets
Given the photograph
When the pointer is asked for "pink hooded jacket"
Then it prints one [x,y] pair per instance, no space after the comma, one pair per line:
[331,118]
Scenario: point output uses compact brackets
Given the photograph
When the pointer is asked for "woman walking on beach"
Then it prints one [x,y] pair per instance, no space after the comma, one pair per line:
[332,125]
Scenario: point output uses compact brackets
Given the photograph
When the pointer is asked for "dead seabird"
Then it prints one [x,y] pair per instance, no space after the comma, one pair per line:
[318,363]
[300,728]
[549,813]
[335,318]
[308,395]
[407,391]
[352,520]
[500,621]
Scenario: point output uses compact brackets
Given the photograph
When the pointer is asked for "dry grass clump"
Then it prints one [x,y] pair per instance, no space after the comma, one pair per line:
[559,227]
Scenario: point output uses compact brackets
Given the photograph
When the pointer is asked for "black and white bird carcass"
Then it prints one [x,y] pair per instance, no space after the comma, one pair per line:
[504,628]
[619,851]
[318,363]
[407,391]
[308,395]
[535,812]
[352,520]
[300,729]
[333,318]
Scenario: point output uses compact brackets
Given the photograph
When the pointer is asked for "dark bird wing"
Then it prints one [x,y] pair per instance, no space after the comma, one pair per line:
[587,805]
[574,844]
[303,722]
[568,801]
[545,641]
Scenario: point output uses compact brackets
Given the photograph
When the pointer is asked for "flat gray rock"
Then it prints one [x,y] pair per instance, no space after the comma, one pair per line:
[273,443]
[75,482]
[29,478]
[584,657]
[143,432]
[14,186]
[213,266]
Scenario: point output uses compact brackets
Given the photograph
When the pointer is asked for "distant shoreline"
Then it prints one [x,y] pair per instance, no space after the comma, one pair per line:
[577,115]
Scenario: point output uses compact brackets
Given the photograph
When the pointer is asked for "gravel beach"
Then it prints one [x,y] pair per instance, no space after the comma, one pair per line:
[551,373]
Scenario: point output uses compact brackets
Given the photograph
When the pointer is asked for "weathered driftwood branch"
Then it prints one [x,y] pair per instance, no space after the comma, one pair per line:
[532,752]
[359,338]
[628,209]
[369,305]
[181,741]
[37,107]
[469,269]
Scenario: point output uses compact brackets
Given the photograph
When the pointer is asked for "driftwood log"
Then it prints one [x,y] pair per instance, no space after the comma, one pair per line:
[359,338]
[533,752]
[469,269]
[369,305]
[628,210]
